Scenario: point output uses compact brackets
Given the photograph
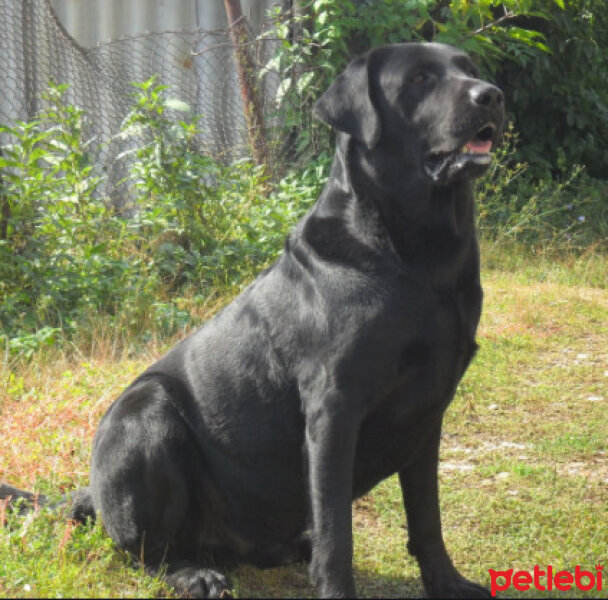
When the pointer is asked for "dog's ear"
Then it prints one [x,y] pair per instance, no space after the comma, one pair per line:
[347,104]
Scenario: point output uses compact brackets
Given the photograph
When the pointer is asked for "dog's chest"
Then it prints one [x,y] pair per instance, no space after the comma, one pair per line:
[430,365]
[425,373]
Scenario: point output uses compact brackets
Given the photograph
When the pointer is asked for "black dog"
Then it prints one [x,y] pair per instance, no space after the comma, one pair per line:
[249,440]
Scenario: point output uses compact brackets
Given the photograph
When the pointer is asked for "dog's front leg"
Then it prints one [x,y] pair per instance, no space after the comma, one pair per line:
[421,498]
[331,440]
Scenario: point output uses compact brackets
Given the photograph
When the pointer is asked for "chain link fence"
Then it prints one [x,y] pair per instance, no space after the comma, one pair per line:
[199,67]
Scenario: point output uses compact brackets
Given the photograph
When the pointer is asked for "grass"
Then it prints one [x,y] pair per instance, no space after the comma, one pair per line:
[523,474]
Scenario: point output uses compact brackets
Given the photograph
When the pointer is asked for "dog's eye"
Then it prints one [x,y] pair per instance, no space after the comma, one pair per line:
[418,78]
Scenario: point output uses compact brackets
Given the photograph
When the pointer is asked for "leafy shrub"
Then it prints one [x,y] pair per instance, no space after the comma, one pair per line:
[560,99]
[191,226]
[205,224]
[59,249]
[564,212]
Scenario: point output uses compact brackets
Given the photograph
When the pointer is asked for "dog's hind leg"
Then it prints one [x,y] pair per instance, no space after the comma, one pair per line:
[147,479]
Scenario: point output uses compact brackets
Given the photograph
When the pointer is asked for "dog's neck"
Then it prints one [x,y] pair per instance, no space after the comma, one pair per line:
[405,215]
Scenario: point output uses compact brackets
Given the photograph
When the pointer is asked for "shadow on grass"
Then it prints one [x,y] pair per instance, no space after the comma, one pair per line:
[293,582]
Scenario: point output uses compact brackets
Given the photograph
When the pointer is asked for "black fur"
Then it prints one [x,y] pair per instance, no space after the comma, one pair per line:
[249,440]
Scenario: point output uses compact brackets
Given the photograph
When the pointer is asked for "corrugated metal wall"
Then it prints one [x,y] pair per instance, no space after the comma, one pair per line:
[167,38]
[91,22]
[94,21]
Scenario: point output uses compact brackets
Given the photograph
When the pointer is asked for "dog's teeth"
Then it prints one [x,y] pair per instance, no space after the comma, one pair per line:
[465,150]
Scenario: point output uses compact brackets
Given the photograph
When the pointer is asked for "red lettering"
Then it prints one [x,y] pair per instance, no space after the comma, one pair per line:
[578,575]
[563,581]
[537,575]
[522,581]
[497,587]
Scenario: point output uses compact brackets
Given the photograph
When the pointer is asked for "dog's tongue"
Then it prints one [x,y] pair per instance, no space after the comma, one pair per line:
[479,147]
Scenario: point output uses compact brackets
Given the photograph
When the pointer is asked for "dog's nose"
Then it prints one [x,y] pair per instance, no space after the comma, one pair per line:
[486,94]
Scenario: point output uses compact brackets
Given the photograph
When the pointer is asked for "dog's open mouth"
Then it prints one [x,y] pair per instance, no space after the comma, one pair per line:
[471,159]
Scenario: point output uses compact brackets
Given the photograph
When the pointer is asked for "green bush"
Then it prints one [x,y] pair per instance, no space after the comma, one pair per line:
[205,224]
[566,212]
[59,248]
[559,99]
[191,225]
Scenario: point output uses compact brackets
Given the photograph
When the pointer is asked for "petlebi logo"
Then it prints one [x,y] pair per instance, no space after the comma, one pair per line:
[546,579]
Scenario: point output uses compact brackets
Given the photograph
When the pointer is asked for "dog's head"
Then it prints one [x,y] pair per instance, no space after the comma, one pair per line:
[423,104]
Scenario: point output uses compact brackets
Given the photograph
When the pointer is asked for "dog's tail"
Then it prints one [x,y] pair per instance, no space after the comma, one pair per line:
[81,503]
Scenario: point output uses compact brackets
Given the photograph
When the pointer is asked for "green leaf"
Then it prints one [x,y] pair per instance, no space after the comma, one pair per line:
[177,104]
[304,82]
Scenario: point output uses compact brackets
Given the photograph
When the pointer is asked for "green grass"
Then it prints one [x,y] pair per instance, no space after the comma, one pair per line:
[524,464]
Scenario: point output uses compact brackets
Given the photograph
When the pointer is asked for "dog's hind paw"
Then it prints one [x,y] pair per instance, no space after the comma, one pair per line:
[197,582]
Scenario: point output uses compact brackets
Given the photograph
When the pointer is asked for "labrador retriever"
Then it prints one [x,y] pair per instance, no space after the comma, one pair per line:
[250,439]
